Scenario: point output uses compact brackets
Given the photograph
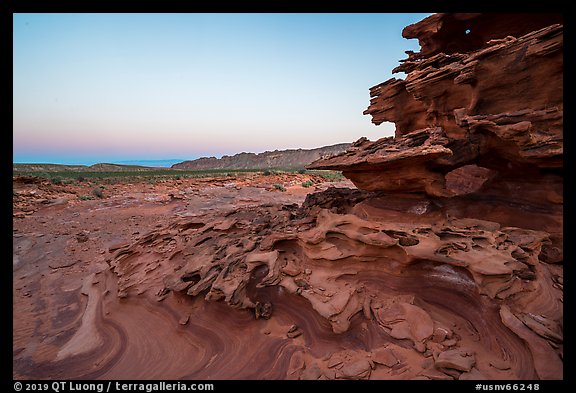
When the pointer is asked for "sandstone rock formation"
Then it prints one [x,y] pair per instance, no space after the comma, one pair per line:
[452,256]
[479,131]
[445,263]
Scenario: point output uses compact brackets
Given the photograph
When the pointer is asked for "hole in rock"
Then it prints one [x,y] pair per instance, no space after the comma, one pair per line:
[256,277]
[467,179]
[190,277]
[408,241]
[191,225]
[383,130]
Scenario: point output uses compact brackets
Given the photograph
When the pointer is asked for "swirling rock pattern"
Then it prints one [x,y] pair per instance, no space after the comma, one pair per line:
[479,130]
[442,291]
[445,263]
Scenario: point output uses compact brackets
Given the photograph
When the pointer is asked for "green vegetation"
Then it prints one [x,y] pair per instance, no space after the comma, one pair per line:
[58,177]
[97,192]
[330,175]
[277,171]
[307,183]
[279,187]
[61,174]
[85,197]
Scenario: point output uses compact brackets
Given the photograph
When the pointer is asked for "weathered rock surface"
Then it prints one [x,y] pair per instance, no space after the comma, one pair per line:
[499,107]
[479,133]
[445,264]
[392,274]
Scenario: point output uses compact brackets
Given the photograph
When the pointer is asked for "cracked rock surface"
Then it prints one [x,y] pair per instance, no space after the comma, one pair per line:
[441,258]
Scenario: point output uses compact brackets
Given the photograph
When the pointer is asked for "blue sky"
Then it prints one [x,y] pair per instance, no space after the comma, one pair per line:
[94,88]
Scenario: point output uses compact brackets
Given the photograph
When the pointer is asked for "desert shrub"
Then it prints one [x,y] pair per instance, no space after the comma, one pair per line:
[97,192]
[80,179]
[56,180]
[301,171]
[85,197]
[332,175]
[279,187]
[307,183]
[269,172]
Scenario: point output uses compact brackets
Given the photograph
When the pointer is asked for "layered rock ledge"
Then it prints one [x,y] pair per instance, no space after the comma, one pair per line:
[452,254]
[446,261]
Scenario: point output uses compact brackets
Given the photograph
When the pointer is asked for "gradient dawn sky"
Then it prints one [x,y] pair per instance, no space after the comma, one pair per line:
[94,88]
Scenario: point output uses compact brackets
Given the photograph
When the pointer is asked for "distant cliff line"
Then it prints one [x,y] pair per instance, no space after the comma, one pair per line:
[289,159]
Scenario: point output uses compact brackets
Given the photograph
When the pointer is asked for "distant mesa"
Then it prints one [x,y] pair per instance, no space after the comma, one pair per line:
[37,167]
[288,159]
[277,159]
[100,167]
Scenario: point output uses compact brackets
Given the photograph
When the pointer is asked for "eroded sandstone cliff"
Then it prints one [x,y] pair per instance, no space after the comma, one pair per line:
[451,257]
[445,263]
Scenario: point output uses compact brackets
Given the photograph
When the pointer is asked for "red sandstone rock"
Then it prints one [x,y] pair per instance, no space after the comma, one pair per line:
[499,106]
[477,128]
[447,265]
[455,359]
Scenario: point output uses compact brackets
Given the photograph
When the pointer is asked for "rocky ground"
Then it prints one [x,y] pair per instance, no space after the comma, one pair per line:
[224,278]
[64,326]
[441,258]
